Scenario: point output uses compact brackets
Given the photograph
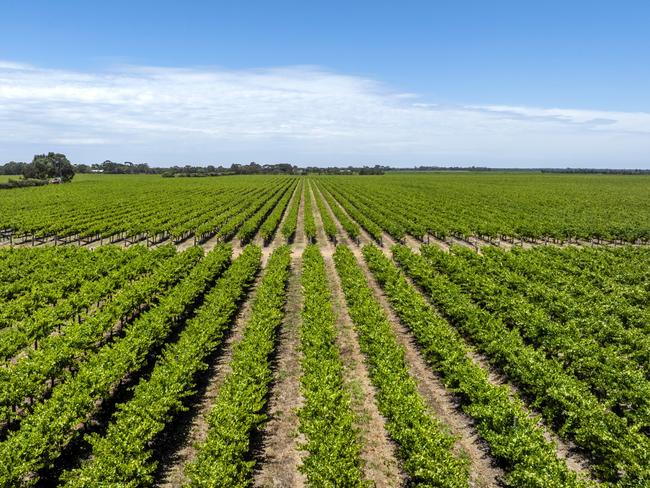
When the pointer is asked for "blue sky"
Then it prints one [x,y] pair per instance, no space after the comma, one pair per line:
[415,82]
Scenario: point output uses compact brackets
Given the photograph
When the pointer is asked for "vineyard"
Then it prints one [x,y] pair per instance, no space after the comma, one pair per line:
[435,329]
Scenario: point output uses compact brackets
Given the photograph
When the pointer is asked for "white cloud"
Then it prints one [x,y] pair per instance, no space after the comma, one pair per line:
[9,65]
[301,114]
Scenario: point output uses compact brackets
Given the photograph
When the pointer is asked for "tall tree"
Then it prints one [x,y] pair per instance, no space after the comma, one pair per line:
[50,165]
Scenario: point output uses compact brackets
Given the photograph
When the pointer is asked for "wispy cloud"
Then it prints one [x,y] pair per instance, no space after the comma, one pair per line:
[300,114]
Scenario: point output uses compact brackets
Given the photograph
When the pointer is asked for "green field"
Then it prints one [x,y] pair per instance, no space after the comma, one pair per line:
[487,205]
[440,329]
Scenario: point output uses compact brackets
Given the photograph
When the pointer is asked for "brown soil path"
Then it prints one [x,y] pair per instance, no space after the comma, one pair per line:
[503,244]
[463,243]
[278,239]
[412,243]
[211,243]
[565,449]
[181,448]
[172,475]
[379,454]
[278,456]
[186,244]
[441,403]
[429,239]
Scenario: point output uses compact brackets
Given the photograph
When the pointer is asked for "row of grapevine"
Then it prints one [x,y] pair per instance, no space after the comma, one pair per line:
[513,437]
[491,205]
[59,355]
[249,227]
[326,419]
[378,214]
[267,230]
[603,284]
[55,422]
[291,222]
[309,223]
[123,456]
[78,305]
[180,229]
[67,273]
[18,267]
[617,382]
[612,316]
[241,202]
[426,449]
[371,227]
[392,221]
[350,227]
[223,459]
[626,265]
[619,453]
[328,223]
[245,222]
[503,206]
[133,209]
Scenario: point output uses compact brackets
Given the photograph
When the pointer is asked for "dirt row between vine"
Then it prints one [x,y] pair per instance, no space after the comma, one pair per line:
[565,449]
[441,403]
[278,455]
[378,452]
[483,469]
[277,446]
[439,399]
[192,428]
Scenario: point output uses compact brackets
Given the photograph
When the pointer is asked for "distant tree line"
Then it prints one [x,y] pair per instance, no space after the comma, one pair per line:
[46,168]
[597,171]
[446,168]
[349,170]
[12,168]
[235,169]
[109,167]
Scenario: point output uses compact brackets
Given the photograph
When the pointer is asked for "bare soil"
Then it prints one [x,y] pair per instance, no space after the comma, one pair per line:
[438,242]
[378,452]
[213,242]
[464,243]
[186,244]
[412,243]
[193,428]
[278,455]
[565,449]
[483,469]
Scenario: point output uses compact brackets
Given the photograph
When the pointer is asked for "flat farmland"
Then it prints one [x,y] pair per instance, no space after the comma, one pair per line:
[409,329]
